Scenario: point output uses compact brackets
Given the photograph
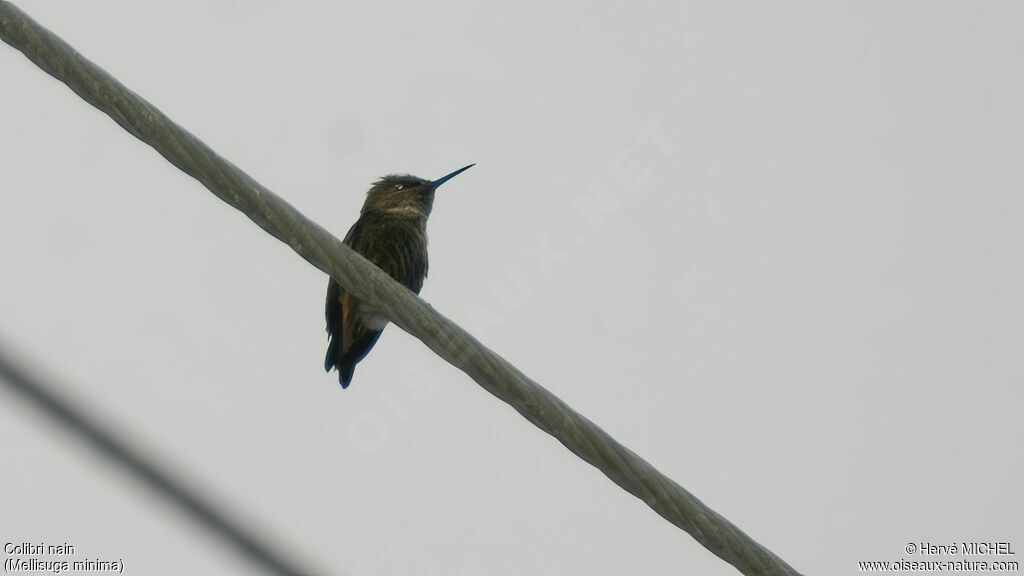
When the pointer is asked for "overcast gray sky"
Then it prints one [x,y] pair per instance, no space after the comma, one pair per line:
[774,248]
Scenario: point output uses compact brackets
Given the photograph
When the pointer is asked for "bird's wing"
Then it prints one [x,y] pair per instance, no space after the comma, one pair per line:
[333,308]
[339,308]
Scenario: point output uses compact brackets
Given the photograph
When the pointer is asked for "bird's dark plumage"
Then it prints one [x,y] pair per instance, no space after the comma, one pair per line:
[392,241]
[392,233]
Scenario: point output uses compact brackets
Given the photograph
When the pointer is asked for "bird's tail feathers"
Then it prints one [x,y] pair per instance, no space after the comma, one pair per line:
[345,372]
[333,357]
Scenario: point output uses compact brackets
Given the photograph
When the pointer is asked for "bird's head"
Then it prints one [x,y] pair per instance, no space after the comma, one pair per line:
[405,193]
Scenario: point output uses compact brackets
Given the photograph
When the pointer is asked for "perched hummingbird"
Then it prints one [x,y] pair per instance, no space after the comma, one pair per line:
[391,232]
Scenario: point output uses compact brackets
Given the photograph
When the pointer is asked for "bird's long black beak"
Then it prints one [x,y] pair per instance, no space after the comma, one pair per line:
[444,179]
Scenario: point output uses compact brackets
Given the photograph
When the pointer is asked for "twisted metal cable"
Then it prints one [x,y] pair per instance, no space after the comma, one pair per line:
[401,306]
[141,465]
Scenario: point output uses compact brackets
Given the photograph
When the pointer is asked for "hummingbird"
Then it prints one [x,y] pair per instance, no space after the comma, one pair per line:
[391,232]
